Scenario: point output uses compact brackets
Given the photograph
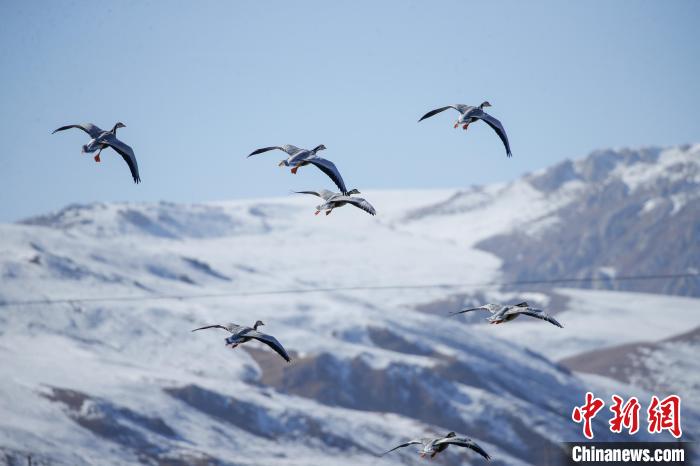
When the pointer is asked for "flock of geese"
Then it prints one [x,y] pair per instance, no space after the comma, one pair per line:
[297,158]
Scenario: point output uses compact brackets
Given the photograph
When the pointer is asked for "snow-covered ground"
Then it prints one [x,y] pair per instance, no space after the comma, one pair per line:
[112,373]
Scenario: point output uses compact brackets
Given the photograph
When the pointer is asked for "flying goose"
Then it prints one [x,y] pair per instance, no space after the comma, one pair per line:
[300,157]
[502,313]
[469,114]
[102,139]
[433,446]
[335,200]
[241,334]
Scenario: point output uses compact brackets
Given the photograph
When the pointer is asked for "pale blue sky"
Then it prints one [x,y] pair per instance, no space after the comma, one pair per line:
[201,84]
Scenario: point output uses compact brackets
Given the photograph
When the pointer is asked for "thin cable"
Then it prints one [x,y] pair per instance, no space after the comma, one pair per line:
[348,288]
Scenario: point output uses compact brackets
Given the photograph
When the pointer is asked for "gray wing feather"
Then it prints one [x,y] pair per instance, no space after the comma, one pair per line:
[469,310]
[411,442]
[92,130]
[264,149]
[270,341]
[357,202]
[536,313]
[329,168]
[458,107]
[324,193]
[126,152]
[288,148]
[496,125]
[210,326]
[464,442]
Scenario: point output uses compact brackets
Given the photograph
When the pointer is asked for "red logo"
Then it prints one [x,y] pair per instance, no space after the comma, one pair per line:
[626,415]
[665,415]
[587,412]
[662,415]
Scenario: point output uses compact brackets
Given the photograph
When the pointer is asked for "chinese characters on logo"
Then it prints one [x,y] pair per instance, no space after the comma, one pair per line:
[662,415]
[587,412]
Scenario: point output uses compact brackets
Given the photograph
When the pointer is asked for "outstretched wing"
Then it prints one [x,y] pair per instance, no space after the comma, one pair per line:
[495,124]
[536,313]
[469,310]
[329,168]
[411,442]
[438,110]
[210,326]
[264,149]
[89,128]
[288,148]
[463,442]
[324,193]
[270,341]
[357,202]
[126,152]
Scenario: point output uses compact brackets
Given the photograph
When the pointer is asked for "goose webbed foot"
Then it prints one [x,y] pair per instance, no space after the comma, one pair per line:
[317,212]
[294,170]
[464,127]
[97,157]
[328,212]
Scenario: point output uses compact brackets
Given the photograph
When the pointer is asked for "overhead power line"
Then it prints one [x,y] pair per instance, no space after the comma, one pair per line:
[156,297]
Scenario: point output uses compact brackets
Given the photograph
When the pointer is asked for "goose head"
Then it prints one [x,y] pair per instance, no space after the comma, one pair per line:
[318,148]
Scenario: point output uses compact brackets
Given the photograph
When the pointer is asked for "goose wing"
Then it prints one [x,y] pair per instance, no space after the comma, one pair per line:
[495,124]
[92,130]
[126,152]
[536,313]
[288,148]
[460,108]
[210,326]
[464,442]
[270,341]
[329,168]
[358,202]
[470,310]
[324,193]
[410,442]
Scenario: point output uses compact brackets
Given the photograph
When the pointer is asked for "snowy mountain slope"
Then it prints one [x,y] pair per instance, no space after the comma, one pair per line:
[638,214]
[91,381]
[616,212]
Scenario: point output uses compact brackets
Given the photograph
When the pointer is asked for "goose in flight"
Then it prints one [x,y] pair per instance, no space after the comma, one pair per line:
[433,446]
[102,139]
[469,114]
[502,313]
[335,200]
[241,334]
[297,158]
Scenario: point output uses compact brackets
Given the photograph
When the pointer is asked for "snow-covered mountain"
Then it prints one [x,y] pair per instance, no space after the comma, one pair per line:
[111,374]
